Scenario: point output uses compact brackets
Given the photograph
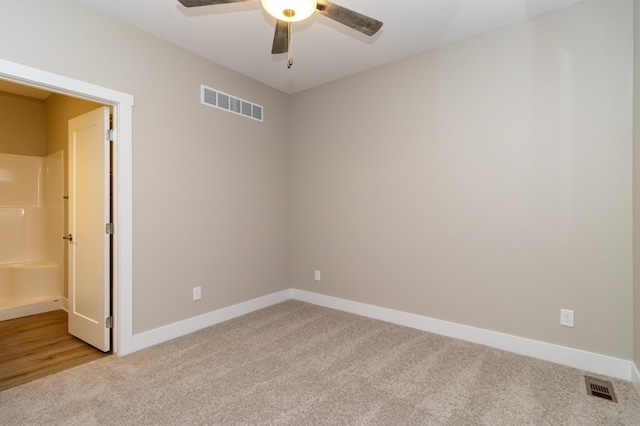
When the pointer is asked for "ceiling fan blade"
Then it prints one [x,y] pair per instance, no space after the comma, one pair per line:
[355,20]
[195,3]
[281,38]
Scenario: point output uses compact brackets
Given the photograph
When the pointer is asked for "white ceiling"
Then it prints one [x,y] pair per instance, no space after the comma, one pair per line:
[239,35]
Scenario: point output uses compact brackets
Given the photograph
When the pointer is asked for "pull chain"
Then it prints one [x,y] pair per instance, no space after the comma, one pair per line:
[290,46]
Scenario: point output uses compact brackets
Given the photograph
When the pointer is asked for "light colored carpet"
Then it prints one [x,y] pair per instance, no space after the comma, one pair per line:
[300,364]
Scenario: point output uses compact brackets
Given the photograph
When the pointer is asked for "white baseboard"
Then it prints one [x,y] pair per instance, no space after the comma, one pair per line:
[588,361]
[592,362]
[635,377]
[30,309]
[181,328]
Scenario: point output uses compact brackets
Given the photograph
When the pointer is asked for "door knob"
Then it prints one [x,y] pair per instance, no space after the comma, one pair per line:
[69,237]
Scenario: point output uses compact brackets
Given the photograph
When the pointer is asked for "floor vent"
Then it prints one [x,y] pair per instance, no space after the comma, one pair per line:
[600,388]
[227,102]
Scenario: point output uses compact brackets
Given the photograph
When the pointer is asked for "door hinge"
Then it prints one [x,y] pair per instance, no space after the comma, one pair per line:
[108,323]
[109,135]
[108,228]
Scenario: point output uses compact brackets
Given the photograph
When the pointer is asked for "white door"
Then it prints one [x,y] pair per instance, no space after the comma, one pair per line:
[89,244]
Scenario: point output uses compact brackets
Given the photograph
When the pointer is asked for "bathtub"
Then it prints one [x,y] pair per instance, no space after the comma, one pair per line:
[29,287]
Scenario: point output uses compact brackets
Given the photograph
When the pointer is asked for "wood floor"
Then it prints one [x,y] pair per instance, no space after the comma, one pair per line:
[37,346]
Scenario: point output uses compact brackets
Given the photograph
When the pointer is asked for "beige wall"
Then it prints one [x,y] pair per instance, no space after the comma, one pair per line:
[486,183]
[209,187]
[22,125]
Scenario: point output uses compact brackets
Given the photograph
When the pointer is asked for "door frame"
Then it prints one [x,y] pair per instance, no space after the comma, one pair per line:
[122,104]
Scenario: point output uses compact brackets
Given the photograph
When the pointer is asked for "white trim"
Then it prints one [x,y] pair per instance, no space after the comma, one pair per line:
[589,361]
[60,84]
[123,232]
[123,165]
[635,377]
[181,328]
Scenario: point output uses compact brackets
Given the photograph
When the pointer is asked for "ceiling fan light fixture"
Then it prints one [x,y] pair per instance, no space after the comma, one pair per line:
[289,10]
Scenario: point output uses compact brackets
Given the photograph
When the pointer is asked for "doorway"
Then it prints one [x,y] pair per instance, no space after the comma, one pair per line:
[122,104]
[36,343]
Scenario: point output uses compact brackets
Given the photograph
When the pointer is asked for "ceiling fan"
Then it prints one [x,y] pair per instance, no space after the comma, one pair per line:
[288,11]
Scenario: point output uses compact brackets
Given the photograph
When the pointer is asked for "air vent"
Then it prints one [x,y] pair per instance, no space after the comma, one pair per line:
[227,102]
[600,388]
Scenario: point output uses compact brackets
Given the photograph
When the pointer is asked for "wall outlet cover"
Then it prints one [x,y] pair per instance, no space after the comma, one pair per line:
[566,317]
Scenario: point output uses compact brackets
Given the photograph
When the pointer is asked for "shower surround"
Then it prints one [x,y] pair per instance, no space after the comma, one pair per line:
[31,229]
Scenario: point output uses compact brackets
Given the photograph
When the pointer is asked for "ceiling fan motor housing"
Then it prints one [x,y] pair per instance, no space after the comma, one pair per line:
[290,10]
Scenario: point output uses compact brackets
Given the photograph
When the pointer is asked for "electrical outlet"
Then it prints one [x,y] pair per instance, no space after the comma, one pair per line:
[197,293]
[317,275]
[566,317]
